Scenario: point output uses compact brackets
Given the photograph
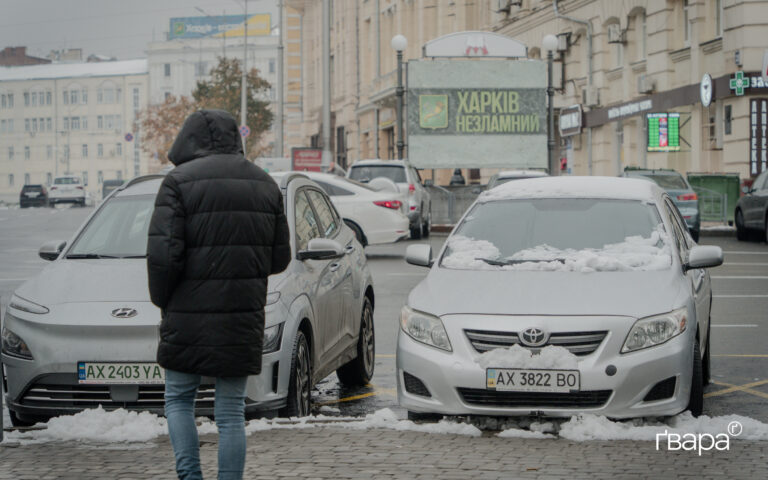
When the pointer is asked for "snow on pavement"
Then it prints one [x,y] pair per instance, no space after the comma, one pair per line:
[551,356]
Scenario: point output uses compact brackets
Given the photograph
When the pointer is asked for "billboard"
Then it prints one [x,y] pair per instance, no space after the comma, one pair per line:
[663,132]
[304,159]
[216,27]
[477,114]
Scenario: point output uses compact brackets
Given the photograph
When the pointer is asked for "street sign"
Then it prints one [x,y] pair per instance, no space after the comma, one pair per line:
[306,159]
[128,137]
[570,121]
[739,83]
[764,71]
[244,131]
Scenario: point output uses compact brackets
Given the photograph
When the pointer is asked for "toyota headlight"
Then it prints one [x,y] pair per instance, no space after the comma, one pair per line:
[652,331]
[272,337]
[26,306]
[424,328]
[14,346]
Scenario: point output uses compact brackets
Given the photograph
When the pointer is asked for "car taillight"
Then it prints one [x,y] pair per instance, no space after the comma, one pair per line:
[53,188]
[393,204]
[80,187]
[688,196]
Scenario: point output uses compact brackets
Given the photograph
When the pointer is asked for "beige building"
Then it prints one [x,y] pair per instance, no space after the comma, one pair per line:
[618,60]
[70,118]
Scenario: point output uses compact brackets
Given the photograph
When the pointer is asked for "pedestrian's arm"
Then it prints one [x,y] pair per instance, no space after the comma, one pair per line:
[165,246]
[281,245]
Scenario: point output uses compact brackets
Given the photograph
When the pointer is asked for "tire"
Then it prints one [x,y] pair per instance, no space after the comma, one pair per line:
[300,384]
[358,232]
[359,371]
[416,229]
[696,400]
[741,230]
[695,235]
[706,368]
[426,227]
[424,417]
[18,422]
[765,230]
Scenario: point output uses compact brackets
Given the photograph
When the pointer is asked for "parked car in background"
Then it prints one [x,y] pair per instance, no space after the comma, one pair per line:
[679,190]
[108,186]
[375,216]
[509,175]
[626,332]
[67,189]
[417,198]
[752,209]
[94,342]
[33,196]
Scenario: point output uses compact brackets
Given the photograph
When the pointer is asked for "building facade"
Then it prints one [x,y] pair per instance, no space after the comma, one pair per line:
[74,119]
[620,66]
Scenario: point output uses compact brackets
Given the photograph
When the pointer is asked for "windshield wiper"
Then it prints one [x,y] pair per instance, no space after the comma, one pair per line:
[492,262]
[502,263]
[89,256]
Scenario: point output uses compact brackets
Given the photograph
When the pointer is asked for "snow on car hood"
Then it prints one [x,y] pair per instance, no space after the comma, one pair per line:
[518,292]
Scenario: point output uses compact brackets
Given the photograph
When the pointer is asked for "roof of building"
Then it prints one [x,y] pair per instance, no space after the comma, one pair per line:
[74,70]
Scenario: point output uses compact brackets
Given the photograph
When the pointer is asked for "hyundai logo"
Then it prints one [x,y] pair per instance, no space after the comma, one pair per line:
[124,313]
[533,337]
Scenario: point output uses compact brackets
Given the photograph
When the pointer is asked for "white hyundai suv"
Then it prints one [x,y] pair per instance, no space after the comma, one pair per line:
[67,189]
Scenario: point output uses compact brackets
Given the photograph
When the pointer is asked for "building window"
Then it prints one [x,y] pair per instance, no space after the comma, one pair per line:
[119,95]
[49,124]
[100,96]
[201,69]
[719,18]
[48,178]
[49,153]
[10,153]
[73,97]
[3,126]
[271,65]
[100,150]
[26,153]
[100,177]
[34,124]
[26,99]
[85,150]
[85,178]
[84,123]
[727,119]
[26,125]
[167,96]
[66,123]
[100,122]
[42,124]
[10,179]
[84,96]
[66,152]
[119,149]
[10,125]
[26,179]
[48,98]
[120,174]
[75,123]
[65,97]
[3,102]
[167,68]
[135,99]
[10,100]
[643,27]
[33,99]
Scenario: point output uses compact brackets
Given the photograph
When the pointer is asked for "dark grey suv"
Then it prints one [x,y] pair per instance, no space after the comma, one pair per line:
[752,209]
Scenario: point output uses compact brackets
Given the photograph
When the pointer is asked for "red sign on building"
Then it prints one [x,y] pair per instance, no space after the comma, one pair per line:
[306,159]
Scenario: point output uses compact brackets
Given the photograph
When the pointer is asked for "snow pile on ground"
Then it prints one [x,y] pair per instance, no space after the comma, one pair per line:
[551,356]
[386,418]
[587,427]
[634,253]
[465,251]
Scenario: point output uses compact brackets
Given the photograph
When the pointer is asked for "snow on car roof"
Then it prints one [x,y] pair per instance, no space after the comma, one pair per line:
[527,173]
[574,187]
[398,163]
[72,70]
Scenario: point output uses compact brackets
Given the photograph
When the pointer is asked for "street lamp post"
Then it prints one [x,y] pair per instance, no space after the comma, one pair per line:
[399,44]
[550,44]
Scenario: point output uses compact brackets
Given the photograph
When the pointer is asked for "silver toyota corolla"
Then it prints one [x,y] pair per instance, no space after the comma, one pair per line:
[84,333]
[560,295]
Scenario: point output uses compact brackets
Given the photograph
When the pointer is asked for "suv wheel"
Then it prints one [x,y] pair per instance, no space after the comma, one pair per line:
[426,227]
[416,229]
[18,422]
[424,417]
[359,371]
[741,231]
[300,384]
[765,230]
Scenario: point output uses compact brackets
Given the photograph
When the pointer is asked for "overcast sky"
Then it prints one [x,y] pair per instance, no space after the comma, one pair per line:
[119,28]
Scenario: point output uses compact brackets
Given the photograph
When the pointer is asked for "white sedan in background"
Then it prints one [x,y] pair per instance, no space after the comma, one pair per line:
[375,216]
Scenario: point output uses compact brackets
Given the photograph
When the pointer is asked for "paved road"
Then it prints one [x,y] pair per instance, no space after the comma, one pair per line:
[740,361]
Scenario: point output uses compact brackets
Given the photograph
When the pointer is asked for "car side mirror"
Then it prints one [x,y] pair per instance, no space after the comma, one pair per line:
[429,182]
[51,250]
[704,256]
[322,249]
[419,255]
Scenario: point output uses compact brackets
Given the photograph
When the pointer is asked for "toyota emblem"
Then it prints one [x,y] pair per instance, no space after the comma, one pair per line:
[124,312]
[533,337]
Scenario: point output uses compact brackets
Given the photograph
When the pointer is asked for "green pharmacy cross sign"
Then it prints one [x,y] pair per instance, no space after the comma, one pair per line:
[739,83]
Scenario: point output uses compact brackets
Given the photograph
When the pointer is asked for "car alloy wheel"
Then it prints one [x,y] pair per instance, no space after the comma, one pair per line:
[741,231]
[359,371]
[300,384]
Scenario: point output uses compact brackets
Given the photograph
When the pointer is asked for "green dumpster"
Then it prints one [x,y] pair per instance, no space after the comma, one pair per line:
[718,194]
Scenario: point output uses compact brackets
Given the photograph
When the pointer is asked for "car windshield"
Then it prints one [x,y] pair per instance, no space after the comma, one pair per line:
[66,181]
[366,173]
[560,234]
[667,182]
[119,229]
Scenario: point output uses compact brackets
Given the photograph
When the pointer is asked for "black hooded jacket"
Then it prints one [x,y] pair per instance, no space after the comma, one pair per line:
[217,232]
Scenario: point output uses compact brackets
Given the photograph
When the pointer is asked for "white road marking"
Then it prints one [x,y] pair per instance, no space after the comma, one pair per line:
[735,325]
[741,277]
[740,296]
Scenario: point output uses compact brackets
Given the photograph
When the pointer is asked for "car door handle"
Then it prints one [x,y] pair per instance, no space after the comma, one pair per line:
[349,249]
[334,266]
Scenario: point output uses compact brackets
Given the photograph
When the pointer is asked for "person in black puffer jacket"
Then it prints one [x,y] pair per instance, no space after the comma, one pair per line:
[217,232]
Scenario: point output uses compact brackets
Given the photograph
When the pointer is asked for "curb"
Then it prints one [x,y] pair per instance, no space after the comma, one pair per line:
[718,233]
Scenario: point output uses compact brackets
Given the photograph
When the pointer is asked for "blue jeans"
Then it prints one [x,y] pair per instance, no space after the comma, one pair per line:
[229,410]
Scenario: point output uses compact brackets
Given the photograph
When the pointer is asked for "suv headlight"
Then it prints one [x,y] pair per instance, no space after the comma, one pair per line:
[424,328]
[272,337]
[26,306]
[652,331]
[14,346]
